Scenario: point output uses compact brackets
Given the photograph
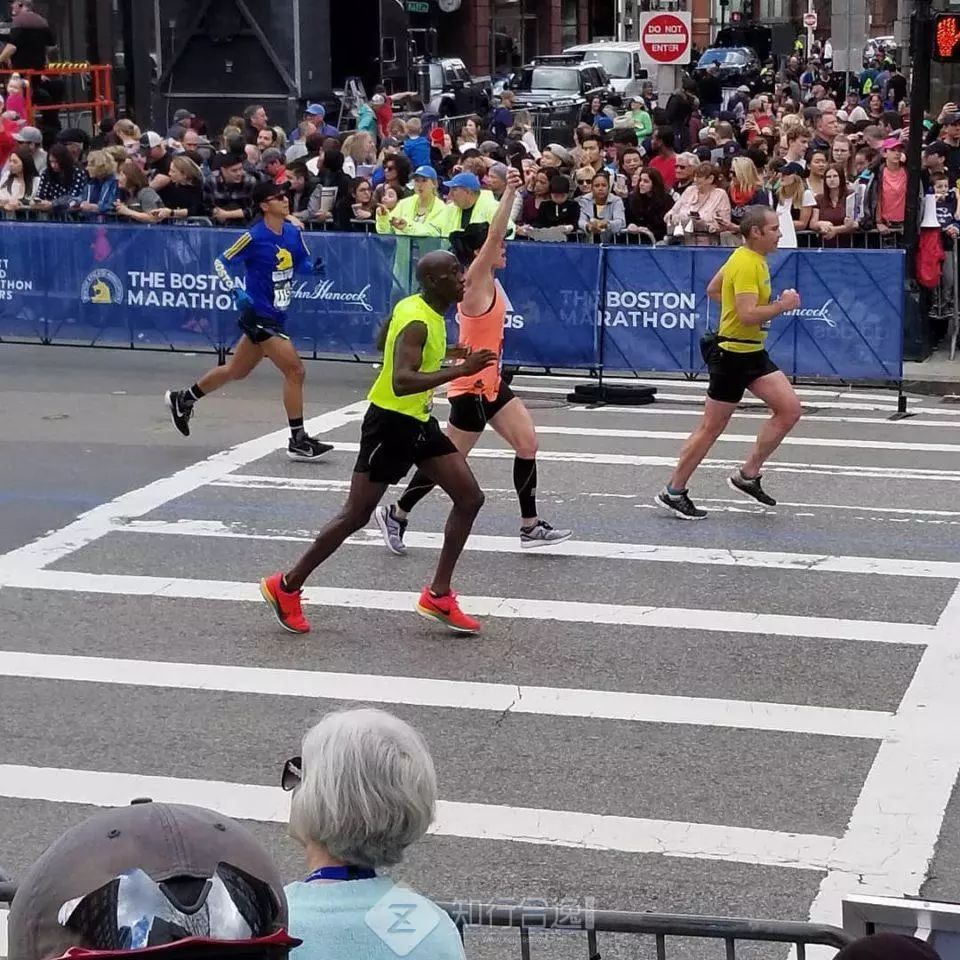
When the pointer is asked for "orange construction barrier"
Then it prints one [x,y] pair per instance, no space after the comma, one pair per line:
[101,84]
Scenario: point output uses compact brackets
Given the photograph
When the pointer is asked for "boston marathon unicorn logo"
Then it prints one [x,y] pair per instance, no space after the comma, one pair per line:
[102,287]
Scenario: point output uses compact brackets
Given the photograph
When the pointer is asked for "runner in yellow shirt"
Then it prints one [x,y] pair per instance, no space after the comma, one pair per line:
[737,361]
[399,431]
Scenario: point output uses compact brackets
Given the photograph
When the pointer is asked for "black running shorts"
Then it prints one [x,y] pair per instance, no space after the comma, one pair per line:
[473,411]
[391,443]
[732,373]
[259,329]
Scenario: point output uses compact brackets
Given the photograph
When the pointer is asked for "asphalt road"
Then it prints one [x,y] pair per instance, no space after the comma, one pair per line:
[749,716]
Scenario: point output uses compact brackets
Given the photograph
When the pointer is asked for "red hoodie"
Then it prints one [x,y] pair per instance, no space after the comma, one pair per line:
[7,144]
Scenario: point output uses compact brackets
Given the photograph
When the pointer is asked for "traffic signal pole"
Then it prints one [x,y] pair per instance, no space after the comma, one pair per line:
[921,49]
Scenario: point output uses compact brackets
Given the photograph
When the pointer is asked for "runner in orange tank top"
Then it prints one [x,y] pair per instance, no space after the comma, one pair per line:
[483,398]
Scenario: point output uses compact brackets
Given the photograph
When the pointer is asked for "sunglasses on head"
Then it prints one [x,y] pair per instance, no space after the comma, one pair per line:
[292,774]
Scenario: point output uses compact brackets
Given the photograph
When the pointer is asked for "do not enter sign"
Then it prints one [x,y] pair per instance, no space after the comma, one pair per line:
[665,37]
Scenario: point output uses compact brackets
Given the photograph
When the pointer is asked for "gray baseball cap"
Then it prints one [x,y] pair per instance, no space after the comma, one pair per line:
[76,893]
[28,135]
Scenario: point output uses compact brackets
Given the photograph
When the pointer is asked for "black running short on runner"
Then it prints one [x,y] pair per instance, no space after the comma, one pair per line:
[259,329]
[732,373]
[473,411]
[391,443]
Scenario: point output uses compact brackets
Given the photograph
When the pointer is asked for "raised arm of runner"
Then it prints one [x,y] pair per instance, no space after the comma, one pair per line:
[488,258]
[408,378]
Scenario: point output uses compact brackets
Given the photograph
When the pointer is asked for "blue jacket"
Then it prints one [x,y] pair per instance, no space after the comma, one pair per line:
[103,193]
[417,150]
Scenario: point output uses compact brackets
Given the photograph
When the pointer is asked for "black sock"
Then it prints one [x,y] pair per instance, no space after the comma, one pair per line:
[296,428]
[416,490]
[189,397]
[525,483]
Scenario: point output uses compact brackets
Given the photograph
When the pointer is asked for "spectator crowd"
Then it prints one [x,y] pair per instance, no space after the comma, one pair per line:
[680,168]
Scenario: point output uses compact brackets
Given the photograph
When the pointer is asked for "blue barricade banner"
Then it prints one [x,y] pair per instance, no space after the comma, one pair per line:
[575,306]
[156,287]
[849,324]
[553,291]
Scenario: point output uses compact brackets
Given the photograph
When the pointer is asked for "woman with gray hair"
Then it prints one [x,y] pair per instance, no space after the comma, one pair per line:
[363,791]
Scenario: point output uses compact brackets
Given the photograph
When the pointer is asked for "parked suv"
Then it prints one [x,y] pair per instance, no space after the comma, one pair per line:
[621,61]
[561,81]
[737,64]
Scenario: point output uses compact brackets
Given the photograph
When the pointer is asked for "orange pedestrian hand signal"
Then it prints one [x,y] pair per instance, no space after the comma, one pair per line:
[946,38]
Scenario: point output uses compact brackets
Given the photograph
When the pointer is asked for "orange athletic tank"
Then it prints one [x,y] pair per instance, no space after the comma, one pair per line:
[483,333]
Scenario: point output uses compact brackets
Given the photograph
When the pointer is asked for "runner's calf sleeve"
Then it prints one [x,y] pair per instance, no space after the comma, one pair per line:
[416,490]
[525,483]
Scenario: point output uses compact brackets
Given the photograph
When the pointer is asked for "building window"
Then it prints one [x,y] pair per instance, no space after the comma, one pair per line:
[773,10]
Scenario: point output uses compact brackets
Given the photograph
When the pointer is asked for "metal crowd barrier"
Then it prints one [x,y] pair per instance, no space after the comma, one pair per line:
[539,917]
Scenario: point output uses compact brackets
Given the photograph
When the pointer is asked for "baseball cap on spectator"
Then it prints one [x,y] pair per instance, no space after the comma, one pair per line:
[316,110]
[378,100]
[425,171]
[267,190]
[469,181]
[271,154]
[151,139]
[743,88]
[604,123]
[489,147]
[794,169]
[73,135]
[176,132]
[197,882]
[951,119]
[436,136]
[560,151]
[891,142]
[181,116]
[28,135]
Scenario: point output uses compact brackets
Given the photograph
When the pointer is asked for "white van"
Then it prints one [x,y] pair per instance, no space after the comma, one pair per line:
[621,60]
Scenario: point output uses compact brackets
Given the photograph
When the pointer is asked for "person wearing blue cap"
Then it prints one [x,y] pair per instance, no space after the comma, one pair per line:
[469,204]
[421,215]
[316,114]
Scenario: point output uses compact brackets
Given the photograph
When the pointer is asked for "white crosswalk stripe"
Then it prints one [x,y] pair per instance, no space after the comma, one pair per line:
[575,661]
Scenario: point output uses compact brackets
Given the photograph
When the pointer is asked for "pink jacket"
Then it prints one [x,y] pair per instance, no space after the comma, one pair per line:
[711,209]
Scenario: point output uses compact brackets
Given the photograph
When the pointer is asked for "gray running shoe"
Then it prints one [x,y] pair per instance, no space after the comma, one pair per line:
[751,487]
[543,535]
[392,530]
[681,506]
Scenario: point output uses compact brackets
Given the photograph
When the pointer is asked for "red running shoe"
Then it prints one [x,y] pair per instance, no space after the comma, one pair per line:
[446,610]
[285,605]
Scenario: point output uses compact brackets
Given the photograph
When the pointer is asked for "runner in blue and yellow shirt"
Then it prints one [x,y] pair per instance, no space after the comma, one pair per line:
[268,254]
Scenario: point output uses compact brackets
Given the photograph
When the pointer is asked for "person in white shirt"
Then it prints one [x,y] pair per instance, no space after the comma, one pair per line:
[852,112]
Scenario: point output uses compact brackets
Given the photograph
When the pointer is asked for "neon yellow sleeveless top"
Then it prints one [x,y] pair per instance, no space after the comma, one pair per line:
[411,310]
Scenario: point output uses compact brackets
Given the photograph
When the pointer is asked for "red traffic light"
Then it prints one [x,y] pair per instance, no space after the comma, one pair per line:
[946,38]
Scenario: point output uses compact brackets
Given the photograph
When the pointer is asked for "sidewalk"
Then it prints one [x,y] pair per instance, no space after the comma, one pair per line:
[938,375]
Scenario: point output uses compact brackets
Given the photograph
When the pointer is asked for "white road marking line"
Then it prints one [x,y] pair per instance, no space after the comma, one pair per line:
[260,482]
[480,821]
[558,393]
[775,466]
[457,694]
[596,549]
[654,411]
[896,823]
[843,443]
[840,393]
[567,611]
[95,523]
